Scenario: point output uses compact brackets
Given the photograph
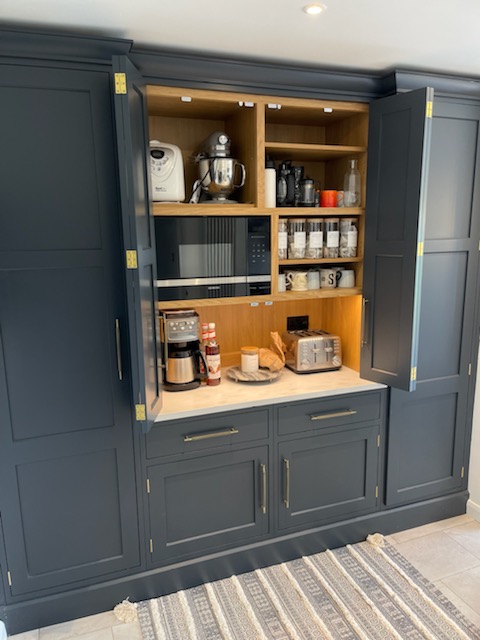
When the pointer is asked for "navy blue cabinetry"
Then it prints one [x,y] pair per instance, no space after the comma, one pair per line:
[67,480]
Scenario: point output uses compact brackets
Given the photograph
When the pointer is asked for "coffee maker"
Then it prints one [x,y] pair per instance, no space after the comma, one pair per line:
[183,366]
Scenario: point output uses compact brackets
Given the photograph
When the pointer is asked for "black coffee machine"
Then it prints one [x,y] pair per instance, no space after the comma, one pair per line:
[183,366]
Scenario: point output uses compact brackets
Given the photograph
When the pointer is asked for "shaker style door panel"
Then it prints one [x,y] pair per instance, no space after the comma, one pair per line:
[139,238]
[328,477]
[427,443]
[398,150]
[67,481]
[206,503]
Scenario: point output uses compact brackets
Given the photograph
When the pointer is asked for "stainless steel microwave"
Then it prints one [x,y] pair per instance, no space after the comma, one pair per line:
[212,256]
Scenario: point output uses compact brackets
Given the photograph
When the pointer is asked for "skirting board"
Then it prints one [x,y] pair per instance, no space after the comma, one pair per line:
[473,510]
[77,603]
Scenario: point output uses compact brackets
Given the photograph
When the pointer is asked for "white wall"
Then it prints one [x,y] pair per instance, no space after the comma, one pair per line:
[473,505]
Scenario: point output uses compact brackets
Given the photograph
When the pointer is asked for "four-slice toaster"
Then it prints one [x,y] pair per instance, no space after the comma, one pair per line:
[312,350]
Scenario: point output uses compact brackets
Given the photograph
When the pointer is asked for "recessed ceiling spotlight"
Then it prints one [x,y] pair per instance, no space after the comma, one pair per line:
[314,9]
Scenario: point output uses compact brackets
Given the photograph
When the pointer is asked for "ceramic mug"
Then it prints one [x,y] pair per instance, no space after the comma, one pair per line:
[282,283]
[347,279]
[297,280]
[328,278]
[313,280]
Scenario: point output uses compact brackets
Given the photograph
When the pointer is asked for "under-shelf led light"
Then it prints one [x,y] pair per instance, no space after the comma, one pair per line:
[314,9]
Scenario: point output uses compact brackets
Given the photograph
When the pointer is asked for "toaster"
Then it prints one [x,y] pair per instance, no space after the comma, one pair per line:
[312,350]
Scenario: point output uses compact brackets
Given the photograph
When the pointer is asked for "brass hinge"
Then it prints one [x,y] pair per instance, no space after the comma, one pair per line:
[9,578]
[420,249]
[376,491]
[151,545]
[378,440]
[462,473]
[140,412]
[132,262]
[469,368]
[413,374]
[120,83]
[148,485]
[429,112]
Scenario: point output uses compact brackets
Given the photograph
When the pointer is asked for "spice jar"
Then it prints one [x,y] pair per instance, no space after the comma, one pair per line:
[249,359]
[297,238]
[314,238]
[331,238]
[348,237]
[282,239]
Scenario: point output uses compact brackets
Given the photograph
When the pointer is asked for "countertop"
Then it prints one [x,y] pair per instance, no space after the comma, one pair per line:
[230,395]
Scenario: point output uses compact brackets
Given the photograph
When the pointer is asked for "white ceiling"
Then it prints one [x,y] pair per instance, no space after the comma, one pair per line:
[437,35]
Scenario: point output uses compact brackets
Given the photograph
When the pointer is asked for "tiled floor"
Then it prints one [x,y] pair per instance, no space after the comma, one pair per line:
[446,552]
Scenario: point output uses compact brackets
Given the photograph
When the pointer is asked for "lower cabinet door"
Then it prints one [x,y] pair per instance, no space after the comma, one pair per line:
[202,504]
[328,477]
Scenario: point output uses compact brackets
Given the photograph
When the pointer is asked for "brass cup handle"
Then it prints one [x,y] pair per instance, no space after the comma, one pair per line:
[210,434]
[335,414]
[263,470]
[286,500]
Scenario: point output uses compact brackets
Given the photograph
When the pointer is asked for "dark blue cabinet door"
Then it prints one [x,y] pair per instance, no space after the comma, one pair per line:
[67,481]
[398,151]
[139,237]
[428,428]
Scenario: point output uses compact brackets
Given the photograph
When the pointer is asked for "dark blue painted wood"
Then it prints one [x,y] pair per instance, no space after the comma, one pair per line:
[67,481]
[139,235]
[429,428]
[398,149]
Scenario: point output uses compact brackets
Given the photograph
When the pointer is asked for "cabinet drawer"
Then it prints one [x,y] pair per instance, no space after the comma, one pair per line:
[189,436]
[331,412]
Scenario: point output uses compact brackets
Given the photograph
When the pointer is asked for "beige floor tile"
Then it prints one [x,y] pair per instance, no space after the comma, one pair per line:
[79,627]
[468,535]
[437,556]
[461,605]
[28,635]
[467,586]
[128,631]
[426,529]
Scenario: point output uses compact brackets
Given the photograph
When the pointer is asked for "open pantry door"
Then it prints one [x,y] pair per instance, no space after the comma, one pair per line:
[398,152]
[139,240]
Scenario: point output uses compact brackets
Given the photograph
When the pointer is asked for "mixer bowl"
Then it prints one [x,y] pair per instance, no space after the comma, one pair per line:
[219,177]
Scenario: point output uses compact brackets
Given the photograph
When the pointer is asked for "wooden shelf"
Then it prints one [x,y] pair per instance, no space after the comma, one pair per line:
[314,261]
[297,151]
[317,212]
[205,209]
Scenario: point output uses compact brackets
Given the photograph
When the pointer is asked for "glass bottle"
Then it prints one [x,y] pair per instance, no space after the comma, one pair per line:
[351,186]
[212,357]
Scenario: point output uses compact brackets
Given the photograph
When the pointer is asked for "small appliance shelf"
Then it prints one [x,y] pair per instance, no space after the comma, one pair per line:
[304,151]
[206,209]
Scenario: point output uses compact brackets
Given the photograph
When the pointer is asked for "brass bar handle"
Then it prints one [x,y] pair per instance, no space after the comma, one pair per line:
[211,434]
[118,342]
[286,500]
[263,470]
[364,304]
[335,414]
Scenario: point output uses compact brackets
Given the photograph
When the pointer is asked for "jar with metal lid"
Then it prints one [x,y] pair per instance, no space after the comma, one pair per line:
[314,238]
[249,359]
[348,237]
[297,238]
[282,239]
[331,238]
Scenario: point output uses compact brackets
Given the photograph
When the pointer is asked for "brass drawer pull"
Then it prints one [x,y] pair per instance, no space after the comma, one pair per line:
[263,469]
[335,414]
[286,500]
[211,434]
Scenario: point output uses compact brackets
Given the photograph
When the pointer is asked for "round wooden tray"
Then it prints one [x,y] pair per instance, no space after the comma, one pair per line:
[262,375]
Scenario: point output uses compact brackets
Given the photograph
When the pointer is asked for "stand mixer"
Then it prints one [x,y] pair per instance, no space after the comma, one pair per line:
[219,174]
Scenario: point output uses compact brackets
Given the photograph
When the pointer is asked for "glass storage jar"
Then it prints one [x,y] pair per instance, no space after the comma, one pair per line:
[282,239]
[348,237]
[331,238]
[314,238]
[297,238]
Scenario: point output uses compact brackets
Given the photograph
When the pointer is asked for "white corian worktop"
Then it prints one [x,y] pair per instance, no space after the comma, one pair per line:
[288,387]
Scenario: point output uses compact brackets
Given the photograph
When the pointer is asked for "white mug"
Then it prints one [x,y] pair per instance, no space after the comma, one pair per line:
[313,280]
[282,284]
[347,279]
[328,278]
[297,280]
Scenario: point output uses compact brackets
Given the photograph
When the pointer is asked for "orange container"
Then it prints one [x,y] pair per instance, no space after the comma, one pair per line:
[328,198]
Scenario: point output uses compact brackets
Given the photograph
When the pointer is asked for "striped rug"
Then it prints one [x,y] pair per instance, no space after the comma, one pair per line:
[364,591]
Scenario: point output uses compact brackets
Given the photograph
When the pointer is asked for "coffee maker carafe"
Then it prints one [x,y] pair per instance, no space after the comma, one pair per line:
[219,174]
[183,366]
